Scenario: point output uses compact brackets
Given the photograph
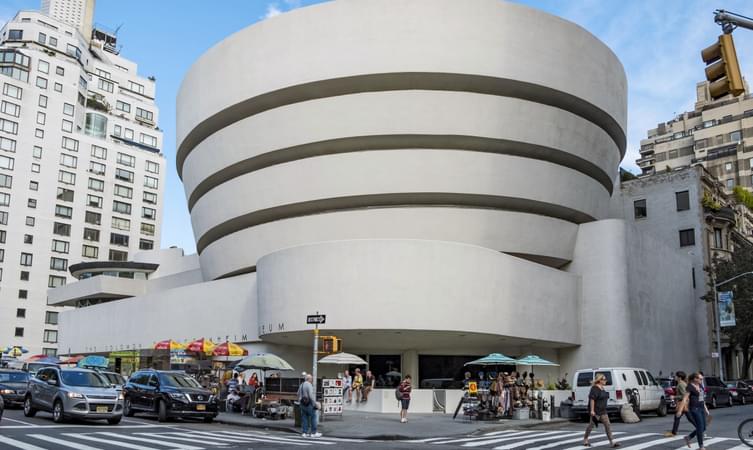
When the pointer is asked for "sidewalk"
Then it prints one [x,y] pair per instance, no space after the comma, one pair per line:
[362,425]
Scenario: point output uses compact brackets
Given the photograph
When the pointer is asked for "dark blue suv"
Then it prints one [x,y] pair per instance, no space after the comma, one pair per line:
[166,394]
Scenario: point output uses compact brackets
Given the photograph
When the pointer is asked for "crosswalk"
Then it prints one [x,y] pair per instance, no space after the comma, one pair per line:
[573,440]
[158,440]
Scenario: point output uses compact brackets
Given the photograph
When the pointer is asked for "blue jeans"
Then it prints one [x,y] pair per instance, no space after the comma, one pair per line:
[308,419]
[699,421]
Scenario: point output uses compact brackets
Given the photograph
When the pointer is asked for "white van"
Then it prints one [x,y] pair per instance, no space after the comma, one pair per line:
[650,395]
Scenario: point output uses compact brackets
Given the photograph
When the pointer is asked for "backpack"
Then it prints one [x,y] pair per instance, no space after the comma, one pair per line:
[398,394]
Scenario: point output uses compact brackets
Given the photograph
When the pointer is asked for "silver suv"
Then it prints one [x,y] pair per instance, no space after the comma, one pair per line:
[66,393]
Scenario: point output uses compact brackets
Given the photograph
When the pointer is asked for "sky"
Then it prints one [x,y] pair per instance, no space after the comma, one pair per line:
[658,42]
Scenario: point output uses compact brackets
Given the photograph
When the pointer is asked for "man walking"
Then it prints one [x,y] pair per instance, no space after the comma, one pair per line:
[307,402]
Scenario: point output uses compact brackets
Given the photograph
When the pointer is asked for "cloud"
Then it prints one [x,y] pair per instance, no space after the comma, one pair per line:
[272,10]
[275,8]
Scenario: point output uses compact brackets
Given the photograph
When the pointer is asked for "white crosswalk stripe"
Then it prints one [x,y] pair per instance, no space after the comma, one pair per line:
[508,438]
[570,441]
[151,441]
[63,442]
[251,438]
[18,444]
[506,434]
[107,441]
[527,442]
[708,442]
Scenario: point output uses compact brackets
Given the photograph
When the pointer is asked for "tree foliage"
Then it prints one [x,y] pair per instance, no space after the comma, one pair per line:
[742,288]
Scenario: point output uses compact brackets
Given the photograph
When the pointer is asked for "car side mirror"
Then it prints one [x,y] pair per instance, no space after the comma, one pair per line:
[52,382]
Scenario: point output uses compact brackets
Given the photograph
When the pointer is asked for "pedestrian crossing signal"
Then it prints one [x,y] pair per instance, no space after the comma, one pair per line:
[331,344]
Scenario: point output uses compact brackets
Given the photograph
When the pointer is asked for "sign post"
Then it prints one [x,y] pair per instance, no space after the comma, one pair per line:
[316,319]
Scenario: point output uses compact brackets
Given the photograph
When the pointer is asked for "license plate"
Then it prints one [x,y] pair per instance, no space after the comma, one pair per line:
[101,409]
[201,407]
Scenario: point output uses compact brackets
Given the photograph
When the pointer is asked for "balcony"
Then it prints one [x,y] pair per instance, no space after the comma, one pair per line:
[724,214]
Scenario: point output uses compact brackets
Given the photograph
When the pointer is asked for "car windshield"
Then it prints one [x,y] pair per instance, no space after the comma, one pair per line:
[83,379]
[114,378]
[13,377]
[179,380]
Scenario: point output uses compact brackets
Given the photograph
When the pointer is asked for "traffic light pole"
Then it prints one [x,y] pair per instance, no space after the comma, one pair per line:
[316,356]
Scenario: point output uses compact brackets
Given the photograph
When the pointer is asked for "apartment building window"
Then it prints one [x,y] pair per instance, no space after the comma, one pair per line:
[145,114]
[41,83]
[107,86]
[36,152]
[117,255]
[63,211]
[58,263]
[91,234]
[50,336]
[124,175]
[53,41]
[51,317]
[119,239]
[82,83]
[97,168]
[135,87]
[93,218]
[117,130]
[8,126]
[4,199]
[21,313]
[128,134]
[149,140]
[68,161]
[24,275]
[66,177]
[687,237]
[718,238]
[19,332]
[12,91]
[149,213]
[35,167]
[121,224]
[151,167]
[122,106]
[31,203]
[28,239]
[99,152]
[39,133]
[29,221]
[145,244]
[151,182]
[96,125]
[3,217]
[7,145]
[15,35]
[6,181]
[73,51]
[42,103]
[730,183]
[43,66]
[41,118]
[728,167]
[9,108]
[26,259]
[58,87]
[88,251]
[42,38]
[65,195]
[2,241]
[126,160]
[147,229]
[94,201]
[103,73]
[50,351]
[70,144]
[683,200]
[68,109]
[23,294]
[121,207]
[96,185]
[60,246]
[123,191]
[150,197]
[60,71]
[61,229]
[735,136]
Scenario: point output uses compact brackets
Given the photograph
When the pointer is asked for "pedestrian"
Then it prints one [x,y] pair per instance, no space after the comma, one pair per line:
[347,386]
[307,403]
[695,398]
[597,404]
[357,385]
[682,406]
[368,385]
[404,388]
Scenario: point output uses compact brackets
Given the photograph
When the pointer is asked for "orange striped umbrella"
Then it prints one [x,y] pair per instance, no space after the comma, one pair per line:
[229,349]
[200,346]
[168,344]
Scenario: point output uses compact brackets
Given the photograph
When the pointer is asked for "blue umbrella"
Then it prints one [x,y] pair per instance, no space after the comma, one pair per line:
[15,351]
[96,361]
[534,360]
[494,359]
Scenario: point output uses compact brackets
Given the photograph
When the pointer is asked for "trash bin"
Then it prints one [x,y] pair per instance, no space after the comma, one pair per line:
[297,414]
[566,410]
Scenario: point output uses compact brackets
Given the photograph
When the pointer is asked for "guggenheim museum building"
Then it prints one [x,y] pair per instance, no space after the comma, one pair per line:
[434,176]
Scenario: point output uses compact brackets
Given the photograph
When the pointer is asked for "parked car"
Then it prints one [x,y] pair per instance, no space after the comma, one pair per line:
[741,391]
[2,408]
[74,392]
[13,386]
[116,380]
[717,392]
[650,395]
[168,394]
[30,367]
[668,384]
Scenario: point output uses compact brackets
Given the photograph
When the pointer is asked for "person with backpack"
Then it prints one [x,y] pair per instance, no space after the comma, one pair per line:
[404,395]
[307,402]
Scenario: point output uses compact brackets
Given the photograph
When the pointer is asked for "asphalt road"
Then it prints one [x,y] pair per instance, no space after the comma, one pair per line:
[143,433]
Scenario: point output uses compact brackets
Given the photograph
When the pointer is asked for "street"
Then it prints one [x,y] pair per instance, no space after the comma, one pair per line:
[19,432]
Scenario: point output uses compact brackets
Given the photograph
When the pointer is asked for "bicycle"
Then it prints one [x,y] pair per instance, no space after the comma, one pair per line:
[745,432]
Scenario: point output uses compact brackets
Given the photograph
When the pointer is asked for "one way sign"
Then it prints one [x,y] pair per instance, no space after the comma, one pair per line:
[317,319]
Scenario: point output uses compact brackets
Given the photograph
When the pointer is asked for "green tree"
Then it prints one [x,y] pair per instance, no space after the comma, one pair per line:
[742,288]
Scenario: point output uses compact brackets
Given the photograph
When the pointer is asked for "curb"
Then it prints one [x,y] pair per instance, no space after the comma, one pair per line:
[394,437]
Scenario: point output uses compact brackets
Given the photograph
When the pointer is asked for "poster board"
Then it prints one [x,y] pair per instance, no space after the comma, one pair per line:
[332,397]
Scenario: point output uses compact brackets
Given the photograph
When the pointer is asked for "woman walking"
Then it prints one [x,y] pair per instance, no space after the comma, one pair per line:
[694,397]
[682,406]
[597,405]
[404,388]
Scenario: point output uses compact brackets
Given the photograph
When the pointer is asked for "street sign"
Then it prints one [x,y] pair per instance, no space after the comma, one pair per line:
[714,354]
[316,319]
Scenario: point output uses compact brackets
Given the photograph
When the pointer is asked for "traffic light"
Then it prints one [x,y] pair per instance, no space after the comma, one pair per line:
[331,344]
[724,72]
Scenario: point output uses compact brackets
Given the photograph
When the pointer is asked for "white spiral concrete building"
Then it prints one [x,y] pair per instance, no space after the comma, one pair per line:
[433,175]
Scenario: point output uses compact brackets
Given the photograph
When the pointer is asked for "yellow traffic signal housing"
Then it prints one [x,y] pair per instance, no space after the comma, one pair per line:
[331,344]
[724,72]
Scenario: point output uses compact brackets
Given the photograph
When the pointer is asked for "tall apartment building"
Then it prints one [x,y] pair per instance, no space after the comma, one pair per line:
[79,13]
[81,173]
[717,134]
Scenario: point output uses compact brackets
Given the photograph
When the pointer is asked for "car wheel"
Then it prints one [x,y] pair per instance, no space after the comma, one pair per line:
[729,401]
[114,420]
[662,410]
[713,402]
[58,414]
[209,419]
[127,408]
[161,411]
[29,410]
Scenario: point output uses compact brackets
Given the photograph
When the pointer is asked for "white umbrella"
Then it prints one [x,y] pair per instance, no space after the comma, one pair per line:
[343,359]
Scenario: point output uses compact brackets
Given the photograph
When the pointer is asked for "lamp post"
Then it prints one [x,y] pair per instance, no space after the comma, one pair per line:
[718,318]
